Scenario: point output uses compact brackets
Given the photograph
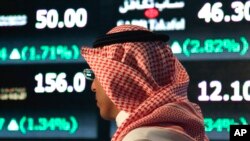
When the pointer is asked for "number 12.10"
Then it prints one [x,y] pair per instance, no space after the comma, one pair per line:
[216,93]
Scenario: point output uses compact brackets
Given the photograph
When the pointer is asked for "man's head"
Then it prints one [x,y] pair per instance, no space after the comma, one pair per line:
[130,64]
[136,72]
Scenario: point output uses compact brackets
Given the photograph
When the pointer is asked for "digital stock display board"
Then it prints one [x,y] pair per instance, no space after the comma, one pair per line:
[44,95]
[199,30]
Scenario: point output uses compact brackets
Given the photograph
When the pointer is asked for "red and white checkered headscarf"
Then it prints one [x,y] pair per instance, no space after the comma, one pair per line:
[147,81]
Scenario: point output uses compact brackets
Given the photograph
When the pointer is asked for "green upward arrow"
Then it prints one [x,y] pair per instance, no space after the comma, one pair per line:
[13,126]
[15,55]
[176,48]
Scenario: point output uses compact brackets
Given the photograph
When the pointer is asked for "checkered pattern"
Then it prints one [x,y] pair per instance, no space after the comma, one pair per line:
[147,81]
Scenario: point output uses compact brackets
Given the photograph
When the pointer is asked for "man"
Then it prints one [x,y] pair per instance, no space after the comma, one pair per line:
[140,84]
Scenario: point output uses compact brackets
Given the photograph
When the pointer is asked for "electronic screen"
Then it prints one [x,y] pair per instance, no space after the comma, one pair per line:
[44,95]
[199,30]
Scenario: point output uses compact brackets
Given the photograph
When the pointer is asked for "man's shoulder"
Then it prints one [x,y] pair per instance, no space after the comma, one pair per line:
[155,134]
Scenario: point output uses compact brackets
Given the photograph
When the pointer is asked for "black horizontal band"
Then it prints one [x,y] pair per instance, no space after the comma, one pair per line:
[129,36]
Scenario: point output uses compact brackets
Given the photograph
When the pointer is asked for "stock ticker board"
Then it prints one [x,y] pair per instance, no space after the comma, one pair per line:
[43,93]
